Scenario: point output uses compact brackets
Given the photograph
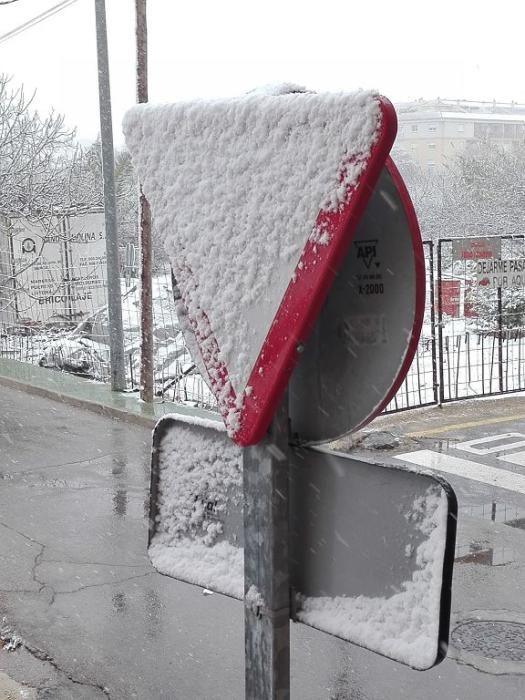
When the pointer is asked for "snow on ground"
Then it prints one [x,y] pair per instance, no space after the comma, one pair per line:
[85,349]
[470,358]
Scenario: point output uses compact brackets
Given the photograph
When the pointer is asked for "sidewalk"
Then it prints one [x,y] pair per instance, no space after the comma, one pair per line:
[418,423]
[90,619]
[78,596]
[85,393]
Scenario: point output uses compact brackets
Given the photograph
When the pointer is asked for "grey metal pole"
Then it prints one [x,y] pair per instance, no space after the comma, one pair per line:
[266,575]
[146,266]
[116,333]
[500,340]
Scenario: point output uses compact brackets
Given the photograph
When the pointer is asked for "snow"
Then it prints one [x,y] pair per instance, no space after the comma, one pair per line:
[405,626]
[236,187]
[254,599]
[85,350]
[199,472]
[195,420]
[219,567]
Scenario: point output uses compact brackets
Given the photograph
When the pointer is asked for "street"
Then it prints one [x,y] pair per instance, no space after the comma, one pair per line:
[84,615]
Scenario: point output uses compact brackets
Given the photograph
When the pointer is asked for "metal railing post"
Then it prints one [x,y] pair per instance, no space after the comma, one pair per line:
[440,324]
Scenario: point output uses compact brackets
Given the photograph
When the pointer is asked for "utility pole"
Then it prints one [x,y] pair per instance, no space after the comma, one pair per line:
[116,333]
[146,272]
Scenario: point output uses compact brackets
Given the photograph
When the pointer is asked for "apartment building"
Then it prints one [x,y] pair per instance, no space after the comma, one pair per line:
[431,133]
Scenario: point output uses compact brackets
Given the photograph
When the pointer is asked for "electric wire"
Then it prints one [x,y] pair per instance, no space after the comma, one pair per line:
[36,20]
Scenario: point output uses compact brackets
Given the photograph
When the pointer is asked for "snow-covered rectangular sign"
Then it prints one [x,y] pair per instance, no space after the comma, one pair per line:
[256,200]
[372,549]
[371,546]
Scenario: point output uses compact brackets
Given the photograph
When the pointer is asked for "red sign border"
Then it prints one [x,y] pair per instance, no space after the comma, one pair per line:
[306,293]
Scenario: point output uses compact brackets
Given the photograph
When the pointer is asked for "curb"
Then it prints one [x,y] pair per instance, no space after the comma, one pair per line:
[94,407]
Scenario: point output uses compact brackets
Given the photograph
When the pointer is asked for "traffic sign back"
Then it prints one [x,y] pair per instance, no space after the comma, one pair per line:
[257,199]
[371,546]
[367,332]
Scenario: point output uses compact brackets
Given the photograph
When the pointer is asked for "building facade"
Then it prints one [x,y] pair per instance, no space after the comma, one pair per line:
[432,133]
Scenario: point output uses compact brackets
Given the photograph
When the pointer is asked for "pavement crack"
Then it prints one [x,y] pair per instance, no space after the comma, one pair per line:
[103,583]
[21,534]
[488,672]
[11,641]
[36,561]
[35,566]
[75,463]
[98,563]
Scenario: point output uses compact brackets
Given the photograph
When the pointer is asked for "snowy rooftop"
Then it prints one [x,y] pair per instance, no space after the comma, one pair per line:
[460,116]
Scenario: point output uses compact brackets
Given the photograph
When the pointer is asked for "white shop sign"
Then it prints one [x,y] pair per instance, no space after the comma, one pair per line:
[59,270]
[492,274]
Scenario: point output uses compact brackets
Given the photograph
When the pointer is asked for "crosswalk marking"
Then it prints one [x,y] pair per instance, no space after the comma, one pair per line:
[505,442]
[466,468]
[516,458]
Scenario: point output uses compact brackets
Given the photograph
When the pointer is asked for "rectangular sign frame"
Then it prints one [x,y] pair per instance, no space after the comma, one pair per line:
[324,477]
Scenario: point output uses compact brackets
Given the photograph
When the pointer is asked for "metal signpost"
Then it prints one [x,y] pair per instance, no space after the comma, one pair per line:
[266,567]
[344,545]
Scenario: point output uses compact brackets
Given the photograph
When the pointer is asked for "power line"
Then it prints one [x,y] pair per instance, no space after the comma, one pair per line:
[36,20]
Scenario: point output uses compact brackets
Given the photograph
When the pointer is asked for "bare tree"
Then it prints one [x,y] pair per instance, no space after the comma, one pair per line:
[34,152]
[432,194]
[489,182]
[481,192]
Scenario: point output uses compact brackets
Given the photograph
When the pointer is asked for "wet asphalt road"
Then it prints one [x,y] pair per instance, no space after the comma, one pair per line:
[91,619]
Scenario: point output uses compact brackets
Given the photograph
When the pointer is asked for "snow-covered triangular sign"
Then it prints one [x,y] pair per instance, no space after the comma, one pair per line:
[256,199]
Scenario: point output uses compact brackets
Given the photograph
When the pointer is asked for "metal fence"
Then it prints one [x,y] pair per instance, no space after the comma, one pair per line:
[481,326]
[472,342]
[419,387]
[53,307]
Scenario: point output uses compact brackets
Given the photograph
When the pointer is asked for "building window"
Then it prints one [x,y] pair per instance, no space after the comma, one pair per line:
[481,131]
[461,128]
[414,127]
[432,145]
[432,128]
[496,131]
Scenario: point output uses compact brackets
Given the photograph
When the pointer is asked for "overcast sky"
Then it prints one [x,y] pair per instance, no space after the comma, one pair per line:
[199,48]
